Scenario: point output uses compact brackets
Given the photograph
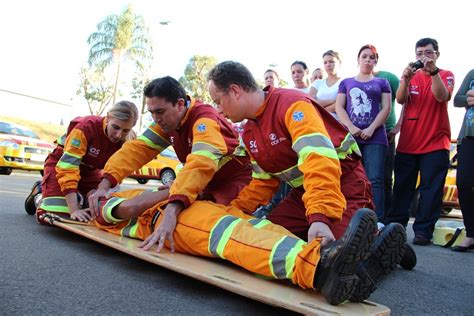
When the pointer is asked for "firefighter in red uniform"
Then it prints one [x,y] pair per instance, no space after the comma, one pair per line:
[215,168]
[74,167]
[291,138]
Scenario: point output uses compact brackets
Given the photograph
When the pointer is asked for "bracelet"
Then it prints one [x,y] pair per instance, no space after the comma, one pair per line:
[434,72]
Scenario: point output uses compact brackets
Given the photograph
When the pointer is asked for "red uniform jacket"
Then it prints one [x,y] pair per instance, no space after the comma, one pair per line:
[293,139]
[205,142]
[84,147]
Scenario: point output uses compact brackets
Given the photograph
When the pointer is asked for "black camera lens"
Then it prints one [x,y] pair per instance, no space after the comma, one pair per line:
[417,65]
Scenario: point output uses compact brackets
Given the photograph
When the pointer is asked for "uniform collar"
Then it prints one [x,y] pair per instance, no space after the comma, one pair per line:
[268,90]
[190,103]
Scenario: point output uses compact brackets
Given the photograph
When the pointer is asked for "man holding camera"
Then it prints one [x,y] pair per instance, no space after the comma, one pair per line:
[424,141]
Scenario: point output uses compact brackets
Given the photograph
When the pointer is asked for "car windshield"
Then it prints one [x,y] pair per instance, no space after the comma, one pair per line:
[168,153]
[7,128]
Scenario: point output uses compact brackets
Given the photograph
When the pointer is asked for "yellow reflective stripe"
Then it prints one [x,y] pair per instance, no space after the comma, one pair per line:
[207,154]
[220,234]
[152,139]
[223,161]
[283,256]
[131,229]
[347,147]
[108,208]
[291,258]
[258,172]
[296,182]
[314,143]
[69,161]
[54,204]
[259,222]
[239,151]
[201,146]
[264,176]
[326,152]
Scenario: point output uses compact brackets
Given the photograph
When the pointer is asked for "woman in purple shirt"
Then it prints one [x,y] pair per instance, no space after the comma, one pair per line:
[363,104]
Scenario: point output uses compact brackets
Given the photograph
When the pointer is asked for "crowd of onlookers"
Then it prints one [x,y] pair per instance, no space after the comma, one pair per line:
[365,104]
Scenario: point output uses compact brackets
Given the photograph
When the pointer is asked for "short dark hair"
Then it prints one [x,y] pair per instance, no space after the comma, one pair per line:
[231,72]
[166,87]
[301,63]
[372,48]
[333,54]
[427,41]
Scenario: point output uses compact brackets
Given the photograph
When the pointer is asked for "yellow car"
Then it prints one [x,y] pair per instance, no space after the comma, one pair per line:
[163,167]
[21,148]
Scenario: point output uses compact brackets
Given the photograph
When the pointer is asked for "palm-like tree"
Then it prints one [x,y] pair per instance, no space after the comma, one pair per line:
[118,38]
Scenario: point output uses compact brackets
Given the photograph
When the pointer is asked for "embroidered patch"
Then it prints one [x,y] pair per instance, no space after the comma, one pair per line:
[201,127]
[298,116]
[75,142]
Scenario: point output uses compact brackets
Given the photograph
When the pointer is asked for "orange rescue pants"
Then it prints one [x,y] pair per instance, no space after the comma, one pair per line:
[213,230]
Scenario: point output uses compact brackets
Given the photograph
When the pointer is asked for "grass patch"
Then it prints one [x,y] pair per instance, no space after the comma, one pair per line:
[46,131]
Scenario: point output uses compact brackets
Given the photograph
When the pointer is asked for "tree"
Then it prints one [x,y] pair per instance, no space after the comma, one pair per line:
[195,76]
[95,88]
[119,38]
[138,85]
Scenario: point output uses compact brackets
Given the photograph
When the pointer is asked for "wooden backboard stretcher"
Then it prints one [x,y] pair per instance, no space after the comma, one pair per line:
[227,276]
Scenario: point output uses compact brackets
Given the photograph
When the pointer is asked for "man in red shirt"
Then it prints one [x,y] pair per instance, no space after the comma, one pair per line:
[424,141]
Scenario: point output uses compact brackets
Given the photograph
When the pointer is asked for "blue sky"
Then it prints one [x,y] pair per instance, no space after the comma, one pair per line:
[44,42]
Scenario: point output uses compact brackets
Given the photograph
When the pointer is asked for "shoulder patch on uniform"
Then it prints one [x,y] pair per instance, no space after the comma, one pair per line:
[298,116]
[75,142]
[201,127]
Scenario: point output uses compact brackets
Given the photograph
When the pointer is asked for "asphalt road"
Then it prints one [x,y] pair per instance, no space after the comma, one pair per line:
[45,270]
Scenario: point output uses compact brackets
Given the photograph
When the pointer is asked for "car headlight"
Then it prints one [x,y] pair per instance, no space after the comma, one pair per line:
[7,143]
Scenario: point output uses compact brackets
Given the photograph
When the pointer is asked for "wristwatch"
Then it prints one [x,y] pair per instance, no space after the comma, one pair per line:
[434,72]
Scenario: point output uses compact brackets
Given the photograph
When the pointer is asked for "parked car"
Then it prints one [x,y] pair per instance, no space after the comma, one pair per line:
[21,148]
[450,191]
[163,167]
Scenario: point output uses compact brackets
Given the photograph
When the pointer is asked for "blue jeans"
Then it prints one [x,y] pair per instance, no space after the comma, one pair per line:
[373,159]
[388,171]
[283,191]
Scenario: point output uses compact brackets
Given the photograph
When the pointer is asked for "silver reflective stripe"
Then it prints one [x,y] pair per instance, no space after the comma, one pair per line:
[258,172]
[218,232]
[348,145]
[127,230]
[157,140]
[312,140]
[59,201]
[259,222]
[70,159]
[108,208]
[279,256]
[289,174]
[61,140]
[199,146]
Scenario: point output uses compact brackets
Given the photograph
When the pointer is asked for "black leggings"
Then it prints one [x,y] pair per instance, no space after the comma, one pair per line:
[465,183]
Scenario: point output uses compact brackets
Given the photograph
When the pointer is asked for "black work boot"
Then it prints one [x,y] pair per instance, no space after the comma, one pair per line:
[30,206]
[336,272]
[385,254]
[408,261]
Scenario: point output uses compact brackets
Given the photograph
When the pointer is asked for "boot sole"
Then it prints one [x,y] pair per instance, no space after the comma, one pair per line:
[408,261]
[342,278]
[386,253]
[30,206]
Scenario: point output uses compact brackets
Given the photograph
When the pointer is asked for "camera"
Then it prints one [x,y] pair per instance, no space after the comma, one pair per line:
[417,65]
